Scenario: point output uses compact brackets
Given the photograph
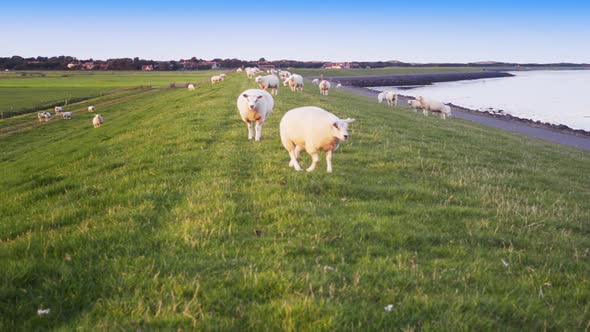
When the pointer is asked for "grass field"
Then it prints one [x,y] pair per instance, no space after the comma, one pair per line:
[384,71]
[168,218]
[29,91]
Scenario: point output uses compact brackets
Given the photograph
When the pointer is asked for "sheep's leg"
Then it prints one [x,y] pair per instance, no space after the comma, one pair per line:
[443,116]
[425,112]
[315,158]
[294,157]
[250,132]
[395,101]
[329,160]
[258,130]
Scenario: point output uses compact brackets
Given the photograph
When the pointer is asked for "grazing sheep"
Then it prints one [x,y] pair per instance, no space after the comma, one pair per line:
[391,98]
[239,70]
[316,81]
[434,107]
[97,121]
[67,115]
[91,108]
[324,87]
[250,72]
[284,74]
[216,79]
[190,87]
[268,82]
[44,116]
[338,86]
[255,106]
[295,81]
[415,105]
[313,129]
[58,110]
[381,97]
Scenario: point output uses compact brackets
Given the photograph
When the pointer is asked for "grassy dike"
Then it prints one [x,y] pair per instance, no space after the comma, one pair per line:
[167,217]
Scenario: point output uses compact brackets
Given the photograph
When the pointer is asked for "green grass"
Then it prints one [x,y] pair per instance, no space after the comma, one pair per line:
[150,222]
[26,92]
[384,71]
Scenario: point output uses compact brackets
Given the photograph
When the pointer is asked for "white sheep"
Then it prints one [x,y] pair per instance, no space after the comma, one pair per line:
[284,74]
[391,98]
[381,97]
[97,121]
[190,87]
[216,79]
[44,116]
[58,110]
[250,72]
[239,70]
[324,87]
[313,129]
[338,86]
[67,115]
[268,82]
[222,76]
[295,81]
[316,81]
[434,107]
[415,105]
[91,108]
[255,105]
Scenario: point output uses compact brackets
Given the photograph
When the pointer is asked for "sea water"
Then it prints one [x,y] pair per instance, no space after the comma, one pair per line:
[554,96]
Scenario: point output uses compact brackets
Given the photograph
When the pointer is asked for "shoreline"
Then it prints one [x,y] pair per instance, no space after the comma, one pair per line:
[561,134]
[412,79]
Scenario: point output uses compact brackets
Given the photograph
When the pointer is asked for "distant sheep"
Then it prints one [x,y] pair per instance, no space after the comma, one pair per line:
[338,86]
[268,82]
[97,121]
[324,87]
[250,72]
[190,87]
[216,79]
[295,82]
[239,70]
[58,110]
[434,107]
[284,74]
[222,75]
[381,97]
[313,129]
[91,108]
[44,116]
[67,115]
[391,98]
[316,81]
[255,106]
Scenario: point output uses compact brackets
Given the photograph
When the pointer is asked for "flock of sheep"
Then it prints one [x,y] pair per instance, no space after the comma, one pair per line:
[426,105]
[310,128]
[97,120]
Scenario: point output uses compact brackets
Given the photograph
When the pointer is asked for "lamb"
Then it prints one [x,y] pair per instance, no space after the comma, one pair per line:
[316,81]
[216,79]
[434,107]
[255,105]
[91,108]
[190,87]
[58,110]
[313,129]
[324,87]
[67,115]
[295,81]
[44,116]
[338,86]
[97,121]
[268,82]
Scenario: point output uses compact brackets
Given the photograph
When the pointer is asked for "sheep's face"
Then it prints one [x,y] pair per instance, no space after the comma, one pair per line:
[286,82]
[340,129]
[419,98]
[252,100]
[258,79]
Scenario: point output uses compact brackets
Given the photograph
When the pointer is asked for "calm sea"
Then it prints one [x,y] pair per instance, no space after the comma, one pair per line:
[554,96]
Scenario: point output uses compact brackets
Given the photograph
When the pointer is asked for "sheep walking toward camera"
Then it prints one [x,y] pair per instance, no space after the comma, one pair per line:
[91,108]
[250,72]
[295,82]
[67,115]
[255,106]
[58,110]
[324,87]
[313,129]
[97,121]
[316,81]
[268,82]
[216,79]
[434,106]
[190,87]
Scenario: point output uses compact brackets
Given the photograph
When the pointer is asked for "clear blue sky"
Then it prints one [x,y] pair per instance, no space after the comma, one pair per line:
[411,31]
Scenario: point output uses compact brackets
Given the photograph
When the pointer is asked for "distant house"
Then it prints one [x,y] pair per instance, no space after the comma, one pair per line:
[213,64]
[88,65]
[147,67]
[340,65]
[188,64]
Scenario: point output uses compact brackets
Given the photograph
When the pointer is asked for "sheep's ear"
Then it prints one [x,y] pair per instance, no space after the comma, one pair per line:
[259,97]
[349,120]
[245,96]
[335,124]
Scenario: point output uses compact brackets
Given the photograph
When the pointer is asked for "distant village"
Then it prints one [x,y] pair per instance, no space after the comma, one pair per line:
[72,63]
